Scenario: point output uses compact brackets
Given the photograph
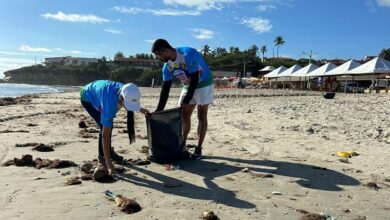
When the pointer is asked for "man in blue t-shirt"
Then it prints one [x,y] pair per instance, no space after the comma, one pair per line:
[188,66]
[102,99]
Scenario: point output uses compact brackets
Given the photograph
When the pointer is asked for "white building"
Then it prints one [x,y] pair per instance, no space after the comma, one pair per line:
[68,60]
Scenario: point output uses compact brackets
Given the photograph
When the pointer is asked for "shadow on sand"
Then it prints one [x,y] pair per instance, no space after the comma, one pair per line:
[212,167]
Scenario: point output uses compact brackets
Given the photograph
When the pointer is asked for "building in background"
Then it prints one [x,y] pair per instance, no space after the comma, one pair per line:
[68,60]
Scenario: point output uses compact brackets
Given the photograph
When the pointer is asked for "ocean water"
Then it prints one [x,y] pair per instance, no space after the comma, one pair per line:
[15,90]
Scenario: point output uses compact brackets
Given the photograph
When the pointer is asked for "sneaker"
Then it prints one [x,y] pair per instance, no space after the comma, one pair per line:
[115,156]
[197,155]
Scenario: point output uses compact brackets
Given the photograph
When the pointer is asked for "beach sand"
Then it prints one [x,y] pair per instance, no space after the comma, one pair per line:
[294,136]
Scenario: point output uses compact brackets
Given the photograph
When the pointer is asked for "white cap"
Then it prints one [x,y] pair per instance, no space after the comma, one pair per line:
[131,95]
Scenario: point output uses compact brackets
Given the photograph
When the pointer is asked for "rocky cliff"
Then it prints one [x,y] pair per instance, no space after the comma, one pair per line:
[50,77]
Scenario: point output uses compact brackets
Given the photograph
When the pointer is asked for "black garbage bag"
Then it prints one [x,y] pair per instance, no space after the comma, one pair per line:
[165,136]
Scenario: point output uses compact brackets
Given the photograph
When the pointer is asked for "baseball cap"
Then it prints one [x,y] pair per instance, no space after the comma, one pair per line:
[131,95]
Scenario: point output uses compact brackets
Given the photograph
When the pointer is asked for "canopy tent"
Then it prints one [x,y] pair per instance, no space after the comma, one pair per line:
[322,70]
[290,71]
[267,69]
[286,75]
[276,72]
[342,69]
[305,70]
[377,65]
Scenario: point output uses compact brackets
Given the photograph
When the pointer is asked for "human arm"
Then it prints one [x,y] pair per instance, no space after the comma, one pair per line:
[194,79]
[107,147]
[166,87]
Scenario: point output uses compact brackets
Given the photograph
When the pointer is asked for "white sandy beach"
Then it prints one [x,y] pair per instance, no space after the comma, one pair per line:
[292,135]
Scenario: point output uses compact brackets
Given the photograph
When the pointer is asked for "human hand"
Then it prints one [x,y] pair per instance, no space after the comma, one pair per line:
[145,111]
[110,167]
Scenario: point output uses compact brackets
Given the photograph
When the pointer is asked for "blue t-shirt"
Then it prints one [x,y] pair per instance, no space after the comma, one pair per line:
[188,61]
[104,96]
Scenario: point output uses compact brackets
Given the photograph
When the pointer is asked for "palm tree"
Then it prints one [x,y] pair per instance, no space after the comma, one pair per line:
[253,50]
[119,55]
[278,42]
[263,50]
[385,54]
[206,50]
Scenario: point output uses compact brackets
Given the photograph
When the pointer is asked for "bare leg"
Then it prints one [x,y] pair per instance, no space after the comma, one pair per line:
[187,112]
[202,126]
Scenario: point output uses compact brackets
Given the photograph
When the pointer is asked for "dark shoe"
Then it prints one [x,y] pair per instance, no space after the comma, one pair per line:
[115,156]
[197,155]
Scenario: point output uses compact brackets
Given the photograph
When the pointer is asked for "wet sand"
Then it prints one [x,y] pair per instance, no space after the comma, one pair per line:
[268,155]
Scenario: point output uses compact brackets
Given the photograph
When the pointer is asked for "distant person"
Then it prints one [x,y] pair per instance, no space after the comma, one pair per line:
[189,67]
[102,99]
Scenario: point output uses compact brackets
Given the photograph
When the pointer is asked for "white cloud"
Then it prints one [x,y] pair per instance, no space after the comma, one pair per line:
[264,8]
[259,25]
[112,31]
[159,12]
[79,18]
[34,49]
[11,53]
[125,10]
[170,12]
[149,41]
[200,4]
[47,50]
[385,3]
[202,34]
[216,4]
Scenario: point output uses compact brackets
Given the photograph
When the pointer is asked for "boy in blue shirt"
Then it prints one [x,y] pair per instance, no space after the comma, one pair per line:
[189,67]
[102,99]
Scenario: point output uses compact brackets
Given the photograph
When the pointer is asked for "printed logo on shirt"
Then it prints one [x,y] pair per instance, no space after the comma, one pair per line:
[181,75]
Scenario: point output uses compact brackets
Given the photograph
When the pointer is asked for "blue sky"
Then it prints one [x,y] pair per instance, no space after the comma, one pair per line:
[33,30]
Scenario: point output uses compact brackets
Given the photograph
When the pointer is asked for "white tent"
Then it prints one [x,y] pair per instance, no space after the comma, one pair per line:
[267,68]
[290,71]
[305,70]
[322,70]
[276,72]
[374,66]
[342,69]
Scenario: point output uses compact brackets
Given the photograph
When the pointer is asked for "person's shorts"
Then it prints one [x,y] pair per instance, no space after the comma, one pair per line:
[202,96]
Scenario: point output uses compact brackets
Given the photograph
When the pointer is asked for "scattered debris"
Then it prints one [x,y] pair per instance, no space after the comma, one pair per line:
[172,167]
[209,215]
[245,170]
[343,160]
[73,181]
[126,205]
[138,162]
[82,124]
[346,154]
[43,148]
[276,193]
[313,216]
[101,175]
[372,185]
[144,150]
[27,160]
[14,131]
[262,175]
